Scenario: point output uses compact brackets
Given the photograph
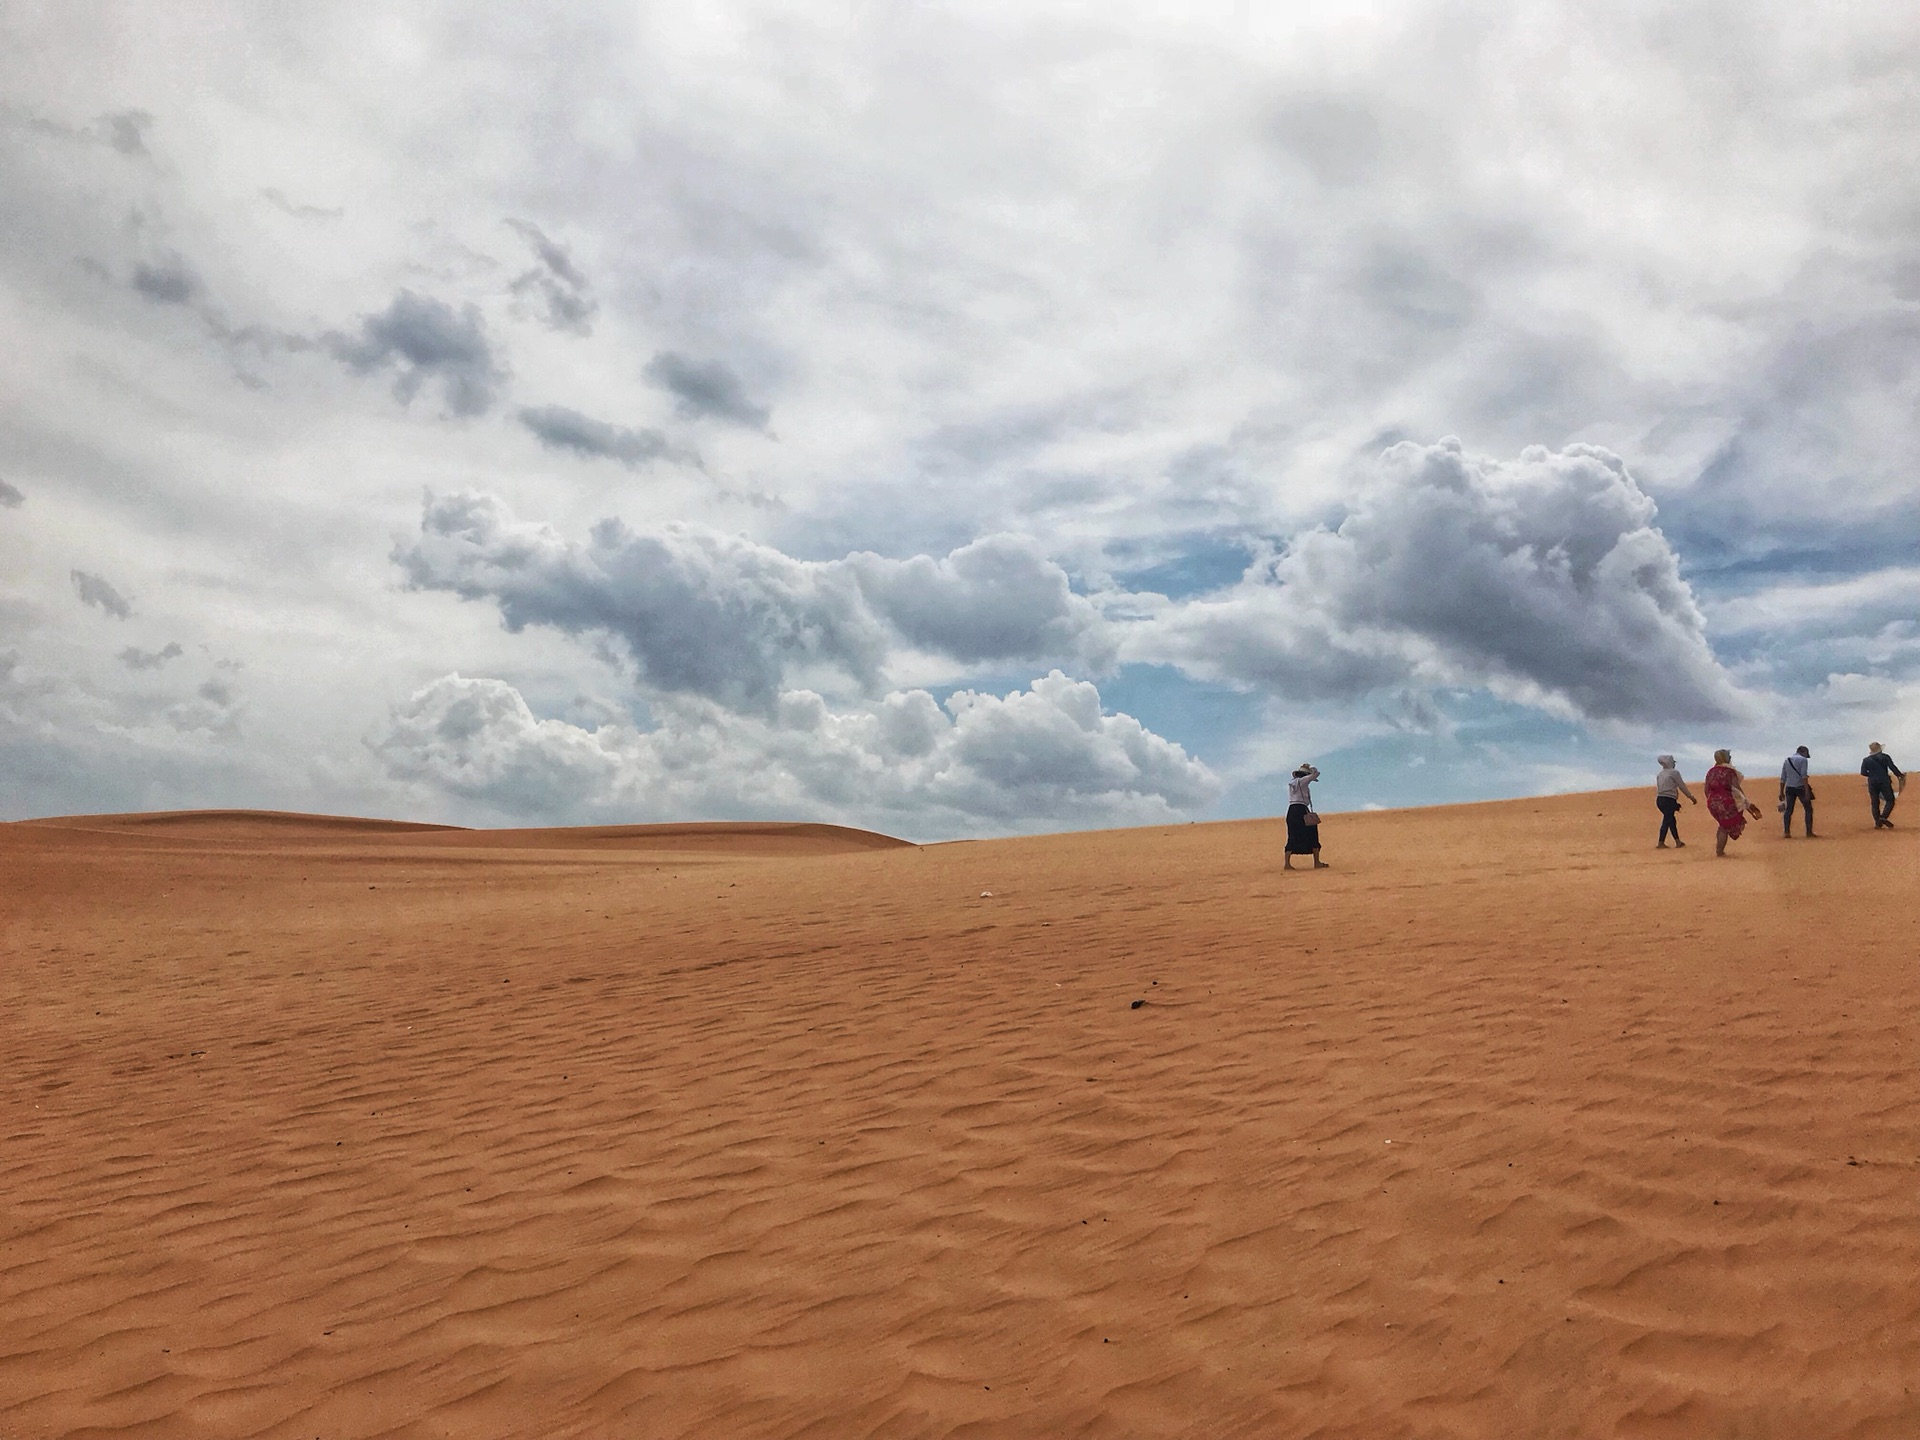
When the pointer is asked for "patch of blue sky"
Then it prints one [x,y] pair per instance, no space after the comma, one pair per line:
[1726,549]
[556,695]
[1487,749]
[1197,564]
[1806,658]
[1206,720]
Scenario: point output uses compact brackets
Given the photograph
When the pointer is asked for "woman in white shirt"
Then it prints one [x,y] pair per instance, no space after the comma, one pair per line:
[1303,826]
[1668,787]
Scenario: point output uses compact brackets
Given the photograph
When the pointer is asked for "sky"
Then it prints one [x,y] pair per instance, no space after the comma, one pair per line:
[954,420]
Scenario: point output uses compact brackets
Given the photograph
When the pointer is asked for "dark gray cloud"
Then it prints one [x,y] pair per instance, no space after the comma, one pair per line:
[214,712]
[125,131]
[1338,139]
[1544,578]
[565,297]
[699,612]
[134,658]
[122,130]
[280,201]
[997,598]
[10,497]
[558,428]
[96,592]
[426,340]
[707,389]
[166,281]
[721,617]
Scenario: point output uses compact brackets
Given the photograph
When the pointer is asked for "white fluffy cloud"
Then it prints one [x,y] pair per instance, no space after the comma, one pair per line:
[1543,578]
[714,615]
[1038,757]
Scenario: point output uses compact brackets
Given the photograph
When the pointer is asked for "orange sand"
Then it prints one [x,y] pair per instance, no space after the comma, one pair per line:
[1509,1125]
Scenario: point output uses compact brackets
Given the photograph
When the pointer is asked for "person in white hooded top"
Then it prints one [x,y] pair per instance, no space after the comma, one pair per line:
[1668,787]
[1303,826]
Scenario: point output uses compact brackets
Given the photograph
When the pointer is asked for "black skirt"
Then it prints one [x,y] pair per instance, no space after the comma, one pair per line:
[1302,838]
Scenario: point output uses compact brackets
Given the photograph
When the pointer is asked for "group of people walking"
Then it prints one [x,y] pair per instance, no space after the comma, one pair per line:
[1727,800]
[1728,803]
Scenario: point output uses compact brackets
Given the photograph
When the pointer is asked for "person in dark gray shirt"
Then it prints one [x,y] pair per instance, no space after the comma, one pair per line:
[1880,771]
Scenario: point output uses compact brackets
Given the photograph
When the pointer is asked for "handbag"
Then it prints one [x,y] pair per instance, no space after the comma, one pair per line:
[1311,818]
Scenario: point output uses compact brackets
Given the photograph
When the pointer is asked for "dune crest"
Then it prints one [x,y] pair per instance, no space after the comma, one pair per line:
[745,837]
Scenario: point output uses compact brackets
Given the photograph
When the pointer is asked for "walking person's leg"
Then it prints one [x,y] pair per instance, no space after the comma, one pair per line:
[1881,798]
[1797,795]
[1669,808]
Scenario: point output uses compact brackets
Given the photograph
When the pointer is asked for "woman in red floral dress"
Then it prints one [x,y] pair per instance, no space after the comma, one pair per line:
[1727,801]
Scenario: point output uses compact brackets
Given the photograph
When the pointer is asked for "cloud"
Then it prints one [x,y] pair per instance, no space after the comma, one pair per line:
[125,130]
[999,597]
[166,281]
[709,389]
[280,201]
[558,428]
[96,592]
[1543,579]
[134,658]
[698,611]
[1043,756]
[213,711]
[1142,300]
[556,282]
[478,739]
[1793,635]
[1044,750]
[10,497]
[122,130]
[709,614]
[426,340]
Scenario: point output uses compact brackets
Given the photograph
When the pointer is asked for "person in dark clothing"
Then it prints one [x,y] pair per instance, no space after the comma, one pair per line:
[1880,771]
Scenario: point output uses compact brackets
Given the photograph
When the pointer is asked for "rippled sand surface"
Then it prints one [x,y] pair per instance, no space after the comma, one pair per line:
[1508,1125]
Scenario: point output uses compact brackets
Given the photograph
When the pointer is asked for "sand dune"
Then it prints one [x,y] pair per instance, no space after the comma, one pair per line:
[1509,1125]
[282,827]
